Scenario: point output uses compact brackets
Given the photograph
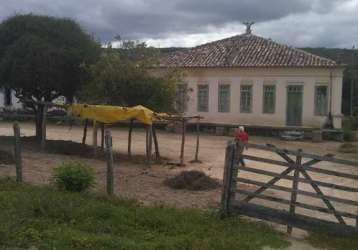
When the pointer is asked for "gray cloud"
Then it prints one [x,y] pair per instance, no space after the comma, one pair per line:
[136,19]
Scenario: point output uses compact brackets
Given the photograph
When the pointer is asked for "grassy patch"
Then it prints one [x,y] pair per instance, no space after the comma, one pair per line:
[48,219]
[327,241]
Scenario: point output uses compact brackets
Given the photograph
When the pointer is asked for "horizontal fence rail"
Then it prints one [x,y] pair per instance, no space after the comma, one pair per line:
[297,167]
[272,148]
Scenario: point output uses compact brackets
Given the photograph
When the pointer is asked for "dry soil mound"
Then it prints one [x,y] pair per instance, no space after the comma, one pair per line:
[192,180]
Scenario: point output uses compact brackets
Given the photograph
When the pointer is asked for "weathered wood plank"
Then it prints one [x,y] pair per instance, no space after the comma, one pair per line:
[298,204]
[182,142]
[298,221]
[296,175]
[196,158]
[327,202]
[149,142]
[287,177]
[227,194]
[156,145]
[305,155]
[269,183]
[301,192]
[331,172]
[265,160]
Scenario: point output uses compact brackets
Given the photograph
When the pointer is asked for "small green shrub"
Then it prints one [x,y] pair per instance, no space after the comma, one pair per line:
[74,177]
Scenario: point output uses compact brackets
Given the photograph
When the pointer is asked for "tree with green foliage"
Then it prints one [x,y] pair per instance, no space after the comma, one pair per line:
[42,58]
[122,77]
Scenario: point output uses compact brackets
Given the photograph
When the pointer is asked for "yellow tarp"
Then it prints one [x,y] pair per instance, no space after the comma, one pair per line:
[112,114]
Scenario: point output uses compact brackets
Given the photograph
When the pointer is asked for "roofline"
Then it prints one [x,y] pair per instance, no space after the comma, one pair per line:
[340,66]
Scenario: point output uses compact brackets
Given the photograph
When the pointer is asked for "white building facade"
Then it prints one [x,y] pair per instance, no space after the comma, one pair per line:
[253,81]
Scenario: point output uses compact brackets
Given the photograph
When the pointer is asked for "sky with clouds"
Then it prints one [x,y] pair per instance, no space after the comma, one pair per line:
[164,23]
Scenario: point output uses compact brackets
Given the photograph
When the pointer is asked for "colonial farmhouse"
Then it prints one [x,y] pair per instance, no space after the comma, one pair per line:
[250,80]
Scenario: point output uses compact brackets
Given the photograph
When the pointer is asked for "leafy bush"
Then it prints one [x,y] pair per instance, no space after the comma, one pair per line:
[74,177]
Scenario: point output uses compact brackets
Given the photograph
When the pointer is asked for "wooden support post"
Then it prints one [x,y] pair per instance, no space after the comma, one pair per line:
[102,136]
[43,127]
[196,158]
[183,132]
[94,138]
[109,153]
[156,146]
[85,132]
[296,175]
[149,144]
[130,138]
[17,153]
[229,179]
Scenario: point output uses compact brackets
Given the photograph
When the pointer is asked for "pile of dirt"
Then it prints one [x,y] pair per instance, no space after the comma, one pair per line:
[192,180]
[6,157]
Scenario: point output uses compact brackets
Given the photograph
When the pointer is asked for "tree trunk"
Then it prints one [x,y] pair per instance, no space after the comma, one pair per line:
[39,121]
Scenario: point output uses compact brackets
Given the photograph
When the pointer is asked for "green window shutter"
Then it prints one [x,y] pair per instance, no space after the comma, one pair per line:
[321,100]
[203,98]
[246,99]
[269,99]
[224,98]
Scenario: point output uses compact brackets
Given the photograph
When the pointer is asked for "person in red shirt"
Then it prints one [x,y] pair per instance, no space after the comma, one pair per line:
[242,138]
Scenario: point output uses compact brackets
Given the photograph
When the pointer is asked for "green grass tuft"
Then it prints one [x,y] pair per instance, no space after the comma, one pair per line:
[49,219]
[327,241]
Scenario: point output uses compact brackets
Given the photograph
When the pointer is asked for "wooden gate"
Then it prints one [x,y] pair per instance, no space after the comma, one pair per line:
[244,191]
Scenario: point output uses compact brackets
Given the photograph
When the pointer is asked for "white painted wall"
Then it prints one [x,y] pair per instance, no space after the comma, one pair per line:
[15,102]
[18,105]
[283,77]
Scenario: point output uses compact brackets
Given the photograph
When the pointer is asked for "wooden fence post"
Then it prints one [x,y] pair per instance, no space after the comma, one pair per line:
[296,175]
[196,158]
[43,127]
[229,179]
[130,138]
[108,139]
[85,132]
[149,143]
[94,138]
[17,153]
[102,136]
[182,141]
[156,145]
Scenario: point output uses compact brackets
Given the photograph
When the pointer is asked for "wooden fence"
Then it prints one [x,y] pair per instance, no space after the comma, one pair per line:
[298,166]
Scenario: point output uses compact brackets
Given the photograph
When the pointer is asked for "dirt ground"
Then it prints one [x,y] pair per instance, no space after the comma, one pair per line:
[136,180]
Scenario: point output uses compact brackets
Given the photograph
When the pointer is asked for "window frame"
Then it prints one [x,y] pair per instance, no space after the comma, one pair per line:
[183,98]
[220,98]
[250,85]
[266,85]
[198,106]
[317,111]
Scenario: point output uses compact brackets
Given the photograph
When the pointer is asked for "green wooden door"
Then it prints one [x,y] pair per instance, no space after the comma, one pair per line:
[294,105]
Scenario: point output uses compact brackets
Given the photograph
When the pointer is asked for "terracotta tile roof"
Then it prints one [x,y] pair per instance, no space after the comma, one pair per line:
[244,51]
